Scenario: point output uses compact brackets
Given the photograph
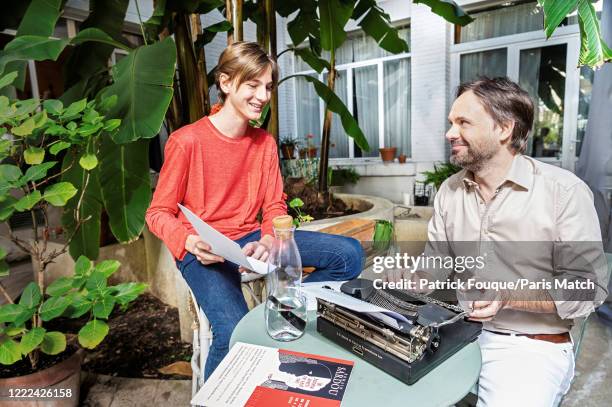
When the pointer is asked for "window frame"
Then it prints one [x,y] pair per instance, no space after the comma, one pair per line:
[349,67]
[514,44]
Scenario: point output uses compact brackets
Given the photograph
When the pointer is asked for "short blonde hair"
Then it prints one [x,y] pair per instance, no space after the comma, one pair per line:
[244,61]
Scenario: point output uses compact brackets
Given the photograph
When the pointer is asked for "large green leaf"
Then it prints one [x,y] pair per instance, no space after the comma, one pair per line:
[107,267]
[34,155]
[377,24]
[53,308]
[305,24]
[78,307]
[8,79]
[335,104]
[10,352]
[36,172]
[104,306]
[90,58]
[555,12]
[126,186]
[99,36]
[39,19]
[143,85]
[128,292]
[82,266]
[448,10]
[27,202]
[9,312]
[30,297]
[32,339]
[93,333]
[316,63]
[593,50]
[334,14]
[211,31]
[58,194]
[25,315]
[60,286]
[9,173]
[86,241]
[53,343]
[96,282]
[32,47]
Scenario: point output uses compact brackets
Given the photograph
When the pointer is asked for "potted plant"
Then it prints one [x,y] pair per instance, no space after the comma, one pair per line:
[387,153]
[31,181]
[435,178]
[287,146]
[339,177]
[310,151]
[402,158]
[439,174]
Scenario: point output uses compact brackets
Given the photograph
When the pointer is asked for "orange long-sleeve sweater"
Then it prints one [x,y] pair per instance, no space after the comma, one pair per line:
[223,180]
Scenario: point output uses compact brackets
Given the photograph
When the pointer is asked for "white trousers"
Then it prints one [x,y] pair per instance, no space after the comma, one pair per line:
[518,371]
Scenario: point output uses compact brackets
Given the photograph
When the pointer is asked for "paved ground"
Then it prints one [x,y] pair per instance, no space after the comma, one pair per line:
[107,391]
[592,384]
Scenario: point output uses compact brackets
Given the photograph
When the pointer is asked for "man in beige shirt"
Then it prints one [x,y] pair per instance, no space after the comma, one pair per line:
[530,221]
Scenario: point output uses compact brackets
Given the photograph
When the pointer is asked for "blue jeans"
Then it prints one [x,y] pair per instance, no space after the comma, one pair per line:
[217,286]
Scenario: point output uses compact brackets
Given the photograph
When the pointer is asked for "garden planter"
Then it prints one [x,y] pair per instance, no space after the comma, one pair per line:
[311,152]
[387,154]
[402,158]
[288,152]
[63,377]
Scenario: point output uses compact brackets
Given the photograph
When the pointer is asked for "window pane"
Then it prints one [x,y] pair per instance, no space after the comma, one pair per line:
[360,47]
[486,63]
[339,144]
[503,21]
[584,101]
[511,19]
[542,73]
[365,107]
[307,109]
[397,104]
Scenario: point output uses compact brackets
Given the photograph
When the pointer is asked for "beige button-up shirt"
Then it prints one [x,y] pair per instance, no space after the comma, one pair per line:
[536,211]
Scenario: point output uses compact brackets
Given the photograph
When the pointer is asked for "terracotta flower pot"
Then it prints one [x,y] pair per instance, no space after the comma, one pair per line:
[388,153]
[60,379]
[303,152]
[288,152]
[312,152]
[402,158]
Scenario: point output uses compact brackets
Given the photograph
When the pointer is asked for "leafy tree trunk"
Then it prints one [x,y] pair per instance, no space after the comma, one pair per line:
[196,29]
[325,136]
[189,78]
[233,14]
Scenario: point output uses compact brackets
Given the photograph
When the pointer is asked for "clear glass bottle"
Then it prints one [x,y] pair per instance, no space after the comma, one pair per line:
[285,310]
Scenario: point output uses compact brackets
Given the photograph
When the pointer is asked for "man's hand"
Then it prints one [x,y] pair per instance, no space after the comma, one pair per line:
[201,250]
[486,310]
[258,250]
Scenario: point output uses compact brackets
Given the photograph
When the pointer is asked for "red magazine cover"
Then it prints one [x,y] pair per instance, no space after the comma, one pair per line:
[259,376]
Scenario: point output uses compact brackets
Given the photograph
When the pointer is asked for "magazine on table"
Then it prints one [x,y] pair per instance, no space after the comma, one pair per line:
[260,376]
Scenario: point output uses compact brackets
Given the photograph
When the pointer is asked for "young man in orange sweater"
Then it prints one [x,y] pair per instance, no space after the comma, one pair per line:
[226,172]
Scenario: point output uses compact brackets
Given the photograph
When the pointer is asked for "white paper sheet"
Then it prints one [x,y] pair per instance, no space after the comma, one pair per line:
[223,246]
[351,303]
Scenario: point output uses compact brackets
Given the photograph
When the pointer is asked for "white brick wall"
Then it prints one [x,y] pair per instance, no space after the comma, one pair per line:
[430,40]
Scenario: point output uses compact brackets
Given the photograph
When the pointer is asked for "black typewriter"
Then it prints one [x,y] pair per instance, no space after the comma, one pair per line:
[433,331]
